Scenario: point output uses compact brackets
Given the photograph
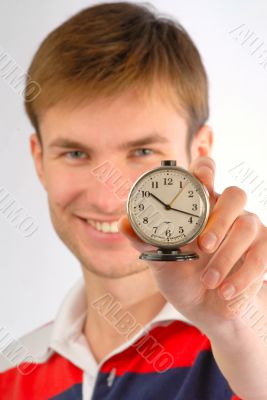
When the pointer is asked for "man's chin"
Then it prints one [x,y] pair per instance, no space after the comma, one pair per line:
[108,262]
[113,274]
[112,267]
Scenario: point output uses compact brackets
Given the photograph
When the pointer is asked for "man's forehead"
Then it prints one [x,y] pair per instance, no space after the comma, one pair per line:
[115,122]
[130,102]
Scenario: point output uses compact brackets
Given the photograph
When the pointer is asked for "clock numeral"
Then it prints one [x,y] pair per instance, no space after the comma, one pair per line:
[168,181]
[190,193]
[181,229]
[181,184]
[190,220]
[145,193]
[155,228]
[194,207]
[145,220]
[168,232]
[141,207]
[155,184]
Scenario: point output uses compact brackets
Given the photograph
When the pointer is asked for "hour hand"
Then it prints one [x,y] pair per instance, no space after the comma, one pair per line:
[165,205]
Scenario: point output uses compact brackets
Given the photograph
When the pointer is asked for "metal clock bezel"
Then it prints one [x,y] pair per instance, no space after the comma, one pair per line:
[205,196]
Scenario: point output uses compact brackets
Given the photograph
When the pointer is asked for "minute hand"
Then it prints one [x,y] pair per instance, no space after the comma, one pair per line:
[184,212]
[170,208]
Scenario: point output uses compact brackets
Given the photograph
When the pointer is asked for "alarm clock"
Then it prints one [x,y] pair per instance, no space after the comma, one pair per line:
[168,207]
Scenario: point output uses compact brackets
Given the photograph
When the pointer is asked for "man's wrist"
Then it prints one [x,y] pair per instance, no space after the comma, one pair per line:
[225,328]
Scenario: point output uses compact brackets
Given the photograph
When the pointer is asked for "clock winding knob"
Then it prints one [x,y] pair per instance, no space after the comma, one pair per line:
[169,163]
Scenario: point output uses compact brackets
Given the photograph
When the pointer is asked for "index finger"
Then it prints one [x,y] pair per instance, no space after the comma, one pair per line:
[204,170]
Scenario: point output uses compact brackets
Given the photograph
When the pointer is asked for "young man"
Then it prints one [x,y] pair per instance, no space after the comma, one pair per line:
[124,88]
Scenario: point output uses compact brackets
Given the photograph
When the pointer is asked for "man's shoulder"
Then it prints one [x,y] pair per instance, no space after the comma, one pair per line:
[28,349]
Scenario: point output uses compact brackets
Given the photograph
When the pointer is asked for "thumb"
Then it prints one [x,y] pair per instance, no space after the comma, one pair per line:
[203,168]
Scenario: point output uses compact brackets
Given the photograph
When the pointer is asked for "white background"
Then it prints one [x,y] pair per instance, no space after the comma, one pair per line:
[36,272]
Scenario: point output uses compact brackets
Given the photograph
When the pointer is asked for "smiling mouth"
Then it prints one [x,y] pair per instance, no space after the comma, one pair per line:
[102,226]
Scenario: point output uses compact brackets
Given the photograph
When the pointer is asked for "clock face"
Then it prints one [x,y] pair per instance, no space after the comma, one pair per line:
[168,207]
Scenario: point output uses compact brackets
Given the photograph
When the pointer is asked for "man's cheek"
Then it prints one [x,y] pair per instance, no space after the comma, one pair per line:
[62,192]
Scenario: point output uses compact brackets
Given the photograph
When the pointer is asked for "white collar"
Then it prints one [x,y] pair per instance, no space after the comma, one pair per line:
[67,337]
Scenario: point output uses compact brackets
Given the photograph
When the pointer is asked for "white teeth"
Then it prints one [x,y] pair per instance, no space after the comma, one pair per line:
[104,226]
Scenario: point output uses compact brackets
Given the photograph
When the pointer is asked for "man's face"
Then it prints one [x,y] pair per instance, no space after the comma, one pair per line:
[133,134]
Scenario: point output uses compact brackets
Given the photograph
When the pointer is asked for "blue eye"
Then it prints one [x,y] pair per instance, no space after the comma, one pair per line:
[145,151]
[75,154]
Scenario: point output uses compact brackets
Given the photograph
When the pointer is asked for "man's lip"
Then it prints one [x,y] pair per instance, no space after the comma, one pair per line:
[106,237]
[99,219]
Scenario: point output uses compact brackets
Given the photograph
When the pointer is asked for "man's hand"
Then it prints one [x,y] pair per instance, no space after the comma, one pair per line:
[233,257]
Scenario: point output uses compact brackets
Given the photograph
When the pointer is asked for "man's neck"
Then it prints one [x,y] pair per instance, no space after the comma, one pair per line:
[118,309]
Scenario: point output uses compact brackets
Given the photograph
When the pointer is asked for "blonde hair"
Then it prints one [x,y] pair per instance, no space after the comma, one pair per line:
[108,48]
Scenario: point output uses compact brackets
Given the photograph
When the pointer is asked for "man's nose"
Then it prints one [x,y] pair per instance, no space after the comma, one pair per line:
[108,192]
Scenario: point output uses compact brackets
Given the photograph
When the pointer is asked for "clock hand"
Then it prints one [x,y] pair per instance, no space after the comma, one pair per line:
[175,197]
[184,212]
[165,205]
[170,208]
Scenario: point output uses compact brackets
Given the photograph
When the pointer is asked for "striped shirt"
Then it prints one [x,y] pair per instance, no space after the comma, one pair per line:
[167,359]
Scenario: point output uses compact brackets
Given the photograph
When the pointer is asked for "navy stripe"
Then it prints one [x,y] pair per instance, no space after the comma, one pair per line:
[73,393]
[202,381]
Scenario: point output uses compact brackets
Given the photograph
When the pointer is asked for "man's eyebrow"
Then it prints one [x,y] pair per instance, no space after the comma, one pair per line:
[150,139]
[67,144]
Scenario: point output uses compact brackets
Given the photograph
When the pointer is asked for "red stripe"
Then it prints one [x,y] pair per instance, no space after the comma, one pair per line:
[180,345]
[45,380]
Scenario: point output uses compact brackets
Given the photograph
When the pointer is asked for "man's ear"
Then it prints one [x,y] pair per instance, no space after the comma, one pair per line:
[201,144]
[37,155]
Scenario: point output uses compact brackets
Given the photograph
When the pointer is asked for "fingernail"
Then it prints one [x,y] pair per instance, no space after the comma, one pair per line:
[211,278]
[208,241]
[204,170]
[228,291]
